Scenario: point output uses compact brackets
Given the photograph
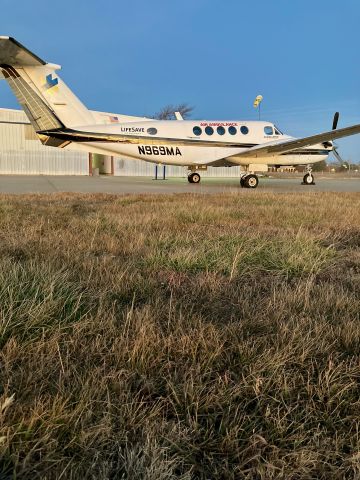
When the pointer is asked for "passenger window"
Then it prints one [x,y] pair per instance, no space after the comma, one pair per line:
[244,130]
[197,131]
[220,130]
[152,131]
[268,131]
[209,130]
[232,130]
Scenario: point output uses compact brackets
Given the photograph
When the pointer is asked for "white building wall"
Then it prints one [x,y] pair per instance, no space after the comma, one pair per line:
[129,168]
[22,153]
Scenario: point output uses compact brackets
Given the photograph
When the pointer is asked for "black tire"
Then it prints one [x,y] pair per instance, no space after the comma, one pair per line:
[194,178]
[251,181]
[308,179]
[242,183]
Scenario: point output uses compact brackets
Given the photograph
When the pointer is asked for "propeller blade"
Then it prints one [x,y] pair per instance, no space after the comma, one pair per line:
[335,121]
[337,156]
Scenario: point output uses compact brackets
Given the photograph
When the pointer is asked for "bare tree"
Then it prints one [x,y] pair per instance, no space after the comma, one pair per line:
[167,112]
[185,110]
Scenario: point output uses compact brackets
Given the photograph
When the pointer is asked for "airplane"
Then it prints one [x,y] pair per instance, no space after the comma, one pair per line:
[61,120]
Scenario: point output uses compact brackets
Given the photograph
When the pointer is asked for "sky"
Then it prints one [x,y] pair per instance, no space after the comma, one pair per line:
[136,56]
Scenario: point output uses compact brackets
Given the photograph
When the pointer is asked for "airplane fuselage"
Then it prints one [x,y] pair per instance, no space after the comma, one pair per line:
[196,143]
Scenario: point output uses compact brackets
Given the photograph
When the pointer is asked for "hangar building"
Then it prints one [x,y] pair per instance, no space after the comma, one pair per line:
[22,153]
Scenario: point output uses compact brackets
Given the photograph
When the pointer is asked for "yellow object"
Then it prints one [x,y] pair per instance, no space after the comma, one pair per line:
[258,100]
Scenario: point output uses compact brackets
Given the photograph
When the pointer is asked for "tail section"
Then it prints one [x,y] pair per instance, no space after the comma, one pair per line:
[37,111]
[46,100]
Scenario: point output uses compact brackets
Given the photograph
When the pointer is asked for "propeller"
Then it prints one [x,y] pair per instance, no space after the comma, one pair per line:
[337,155]
[334,127]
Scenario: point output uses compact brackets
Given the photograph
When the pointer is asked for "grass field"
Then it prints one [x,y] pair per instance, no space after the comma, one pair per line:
[190,337]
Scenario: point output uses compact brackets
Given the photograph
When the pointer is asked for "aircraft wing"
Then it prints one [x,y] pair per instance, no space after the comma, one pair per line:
[296,143]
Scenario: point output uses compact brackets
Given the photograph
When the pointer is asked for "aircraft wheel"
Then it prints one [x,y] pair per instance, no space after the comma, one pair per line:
[251,181]
[242,182]
[308,179]
[194,178]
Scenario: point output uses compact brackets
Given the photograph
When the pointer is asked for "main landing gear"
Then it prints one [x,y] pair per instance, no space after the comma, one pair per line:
[249,180]
[194,177]
[308,177]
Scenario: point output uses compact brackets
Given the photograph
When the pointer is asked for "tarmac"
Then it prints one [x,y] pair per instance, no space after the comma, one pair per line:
[25,184]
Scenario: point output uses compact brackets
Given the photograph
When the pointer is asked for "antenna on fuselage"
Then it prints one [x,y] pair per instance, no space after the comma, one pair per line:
[178,116]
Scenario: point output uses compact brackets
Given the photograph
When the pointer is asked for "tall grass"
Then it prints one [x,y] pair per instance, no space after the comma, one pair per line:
[190,337]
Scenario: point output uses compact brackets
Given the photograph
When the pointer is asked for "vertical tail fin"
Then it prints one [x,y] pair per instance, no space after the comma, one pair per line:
[37,111]
[46,100]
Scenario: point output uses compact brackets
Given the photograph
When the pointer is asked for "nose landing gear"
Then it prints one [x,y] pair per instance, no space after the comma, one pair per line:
[308,177]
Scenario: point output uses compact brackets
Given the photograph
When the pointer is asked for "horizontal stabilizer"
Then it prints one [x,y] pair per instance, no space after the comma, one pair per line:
[46,100]
[15,54]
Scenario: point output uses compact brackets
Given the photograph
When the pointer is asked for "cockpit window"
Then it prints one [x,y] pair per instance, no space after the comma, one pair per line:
[278,131]
[268,130]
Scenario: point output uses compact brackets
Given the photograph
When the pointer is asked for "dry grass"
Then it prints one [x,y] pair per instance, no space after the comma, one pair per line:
[190,337]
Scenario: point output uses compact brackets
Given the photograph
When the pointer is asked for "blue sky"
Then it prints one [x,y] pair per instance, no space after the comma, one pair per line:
[136,56]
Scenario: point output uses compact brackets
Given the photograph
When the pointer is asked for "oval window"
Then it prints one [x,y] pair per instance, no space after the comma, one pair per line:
[152,131]
[244,130]
[197,131]
[209,130]
[232,130]
[220,130]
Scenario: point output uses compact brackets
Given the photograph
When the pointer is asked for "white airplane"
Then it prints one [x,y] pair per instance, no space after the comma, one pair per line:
[60,119]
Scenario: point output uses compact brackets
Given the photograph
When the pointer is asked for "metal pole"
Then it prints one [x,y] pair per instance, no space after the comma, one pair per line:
[156,172]
[164,172]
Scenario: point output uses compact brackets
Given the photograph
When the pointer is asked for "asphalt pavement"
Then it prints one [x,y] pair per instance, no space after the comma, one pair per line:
[21,184]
